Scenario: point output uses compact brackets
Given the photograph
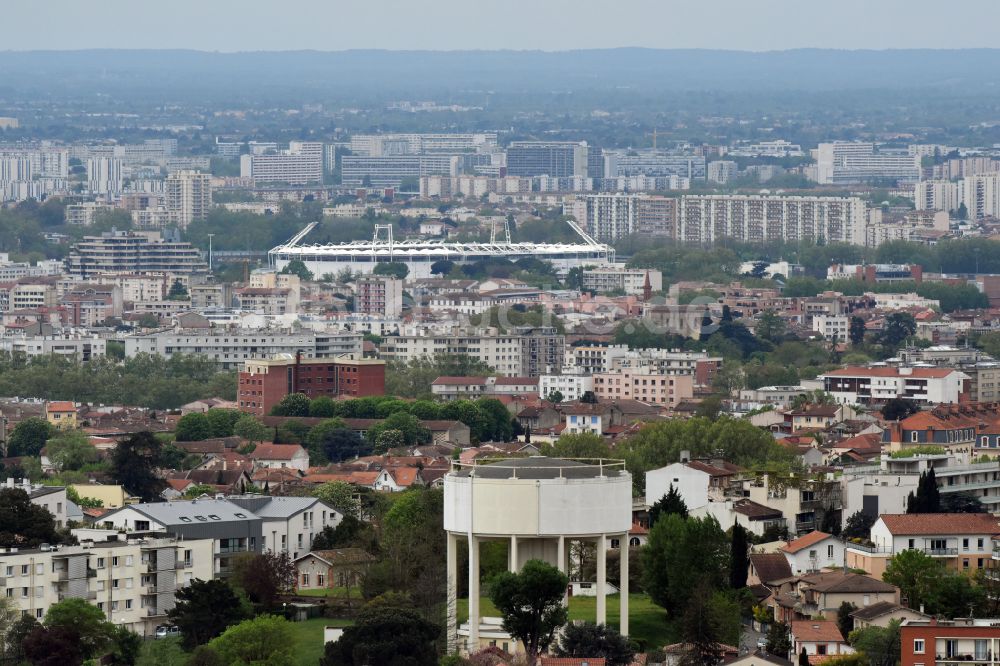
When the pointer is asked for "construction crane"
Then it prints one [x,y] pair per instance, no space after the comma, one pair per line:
[653,134]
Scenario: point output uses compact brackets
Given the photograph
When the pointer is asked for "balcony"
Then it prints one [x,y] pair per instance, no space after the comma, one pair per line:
[182,564]
[965,657]
[941,552]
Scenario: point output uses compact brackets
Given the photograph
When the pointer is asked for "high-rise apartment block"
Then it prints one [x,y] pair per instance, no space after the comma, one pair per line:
[609,217]
[379,296]
[301,164]
[104,175]
[188,197]
[133,252]
[559,159]
[722,171]
[846,162]
[760,219]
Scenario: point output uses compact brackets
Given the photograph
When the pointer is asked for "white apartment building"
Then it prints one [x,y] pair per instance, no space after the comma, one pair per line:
[377,145]
[722,171]
[834,328]
[609,217]
[631,281]
[104,175]
[591,359]
[979,193]
[524,352]
[845,162]
[301,164]
[132,582]
[758,219]
[230,348]
[77,345]
[937,195]
[188,197]
[874,386]
[572,387]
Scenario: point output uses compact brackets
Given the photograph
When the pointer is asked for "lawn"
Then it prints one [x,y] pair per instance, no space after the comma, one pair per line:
[309,638]
[647,621]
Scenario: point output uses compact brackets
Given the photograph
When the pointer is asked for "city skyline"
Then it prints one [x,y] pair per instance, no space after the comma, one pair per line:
[555,25]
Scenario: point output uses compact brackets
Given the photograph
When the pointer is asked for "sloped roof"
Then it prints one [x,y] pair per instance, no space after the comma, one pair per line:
[755,511]
[810,539]
[276,451]
[941,523]
[822,631]
[770,566]
[877,609]
[838,581]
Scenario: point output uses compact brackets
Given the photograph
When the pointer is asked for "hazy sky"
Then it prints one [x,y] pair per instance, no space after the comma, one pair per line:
[245,25]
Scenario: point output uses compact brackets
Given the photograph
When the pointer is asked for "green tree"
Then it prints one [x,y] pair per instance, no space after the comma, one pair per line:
[530,603]
[193,427]
[322,407]
[587,640]
[23,524]
[263,576]
[28,437]
[442,267]
[770,326]
[9,614]
[249,428]
[739,557]
[340,495]
[916,574]
[205,609]
[881,645]
[178,292]
[133,465]
[555,397]
[859,525]
[844,620]
[222,421]
[898,409]
[671,503]
[93,631]
[779,641]
[578,445]
[332,441]
[297,267]
[928,496]
[680,554]
[709,620]
[70,450]
[394,269]
[803,657]
[125,646]
[293,404]
[856,331]
[265,640]
[897,327]
[412,431]
[383,634]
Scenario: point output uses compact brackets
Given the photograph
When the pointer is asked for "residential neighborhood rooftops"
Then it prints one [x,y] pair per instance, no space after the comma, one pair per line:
[802,542]
[816,631]
[770,566]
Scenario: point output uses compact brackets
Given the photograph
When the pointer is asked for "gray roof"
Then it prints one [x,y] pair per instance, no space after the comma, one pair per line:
[540,467]
[199,511]
[275,507]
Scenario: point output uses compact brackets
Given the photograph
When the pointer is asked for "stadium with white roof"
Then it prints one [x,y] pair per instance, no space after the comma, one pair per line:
[419,255]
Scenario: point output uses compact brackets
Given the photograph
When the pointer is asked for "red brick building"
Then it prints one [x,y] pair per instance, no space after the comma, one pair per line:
[263,383]
[946,641]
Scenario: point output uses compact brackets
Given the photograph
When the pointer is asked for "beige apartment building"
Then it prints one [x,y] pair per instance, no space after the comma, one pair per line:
[133,582]
[654,389]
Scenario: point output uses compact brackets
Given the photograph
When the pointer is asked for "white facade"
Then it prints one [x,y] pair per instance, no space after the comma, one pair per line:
[932,386]
[832,327]
[301,164]
[570,386]
[632,281]
[722,171]
[843,162]
[189,197]
[757,219]
[692,484]
[104,175]
[827,553]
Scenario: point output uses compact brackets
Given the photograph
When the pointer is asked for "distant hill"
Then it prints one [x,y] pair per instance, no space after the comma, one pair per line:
[971,72]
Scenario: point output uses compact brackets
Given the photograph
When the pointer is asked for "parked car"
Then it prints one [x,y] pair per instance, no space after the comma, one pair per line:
[165,630]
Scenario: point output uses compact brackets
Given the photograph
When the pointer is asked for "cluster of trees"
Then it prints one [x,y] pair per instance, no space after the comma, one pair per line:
[697,572]
[144,380]
[736,440]
[925,581]
[951,296]
[413,379]
[487,418]
[72,632]
[928,498]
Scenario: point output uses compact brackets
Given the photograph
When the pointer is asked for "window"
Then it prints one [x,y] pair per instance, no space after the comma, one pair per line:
[913,436]
[39,613]
[979,543]
[128,604]
[911,544]
[114,606]
[305,580]
[950,647]
[24,569]
[115,583]
[39,568]
[114,561]
[829,550]
[965,544]
[100,562]
[320,580]
[821,648]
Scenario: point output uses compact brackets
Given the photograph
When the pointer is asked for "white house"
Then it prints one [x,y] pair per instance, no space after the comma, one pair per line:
[813,552]
[276,456]
[819,638]
[584,418]
[690,482]
[960,540]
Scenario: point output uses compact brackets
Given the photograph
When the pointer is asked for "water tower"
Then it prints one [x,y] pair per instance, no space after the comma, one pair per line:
[540,506]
